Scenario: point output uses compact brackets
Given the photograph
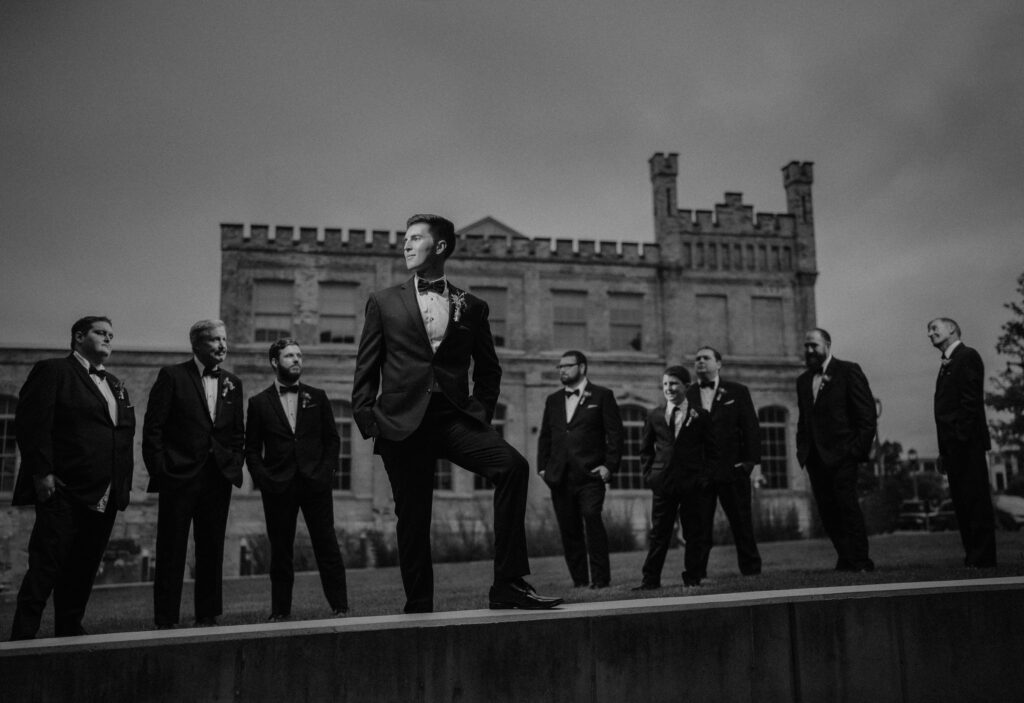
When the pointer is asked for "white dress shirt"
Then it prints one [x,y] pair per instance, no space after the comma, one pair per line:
[677,422]
[816,381]
[434,310]
[290,403]
[209,388]
[108,395]
[572,402]
[707,395]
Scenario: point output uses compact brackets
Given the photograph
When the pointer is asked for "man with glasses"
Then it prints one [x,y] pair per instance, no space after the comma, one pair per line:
[579,448]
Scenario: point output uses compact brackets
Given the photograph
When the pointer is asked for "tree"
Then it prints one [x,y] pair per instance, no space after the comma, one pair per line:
[1008,397]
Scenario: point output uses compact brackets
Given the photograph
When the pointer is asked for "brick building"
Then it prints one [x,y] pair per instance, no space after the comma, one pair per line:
[723,277]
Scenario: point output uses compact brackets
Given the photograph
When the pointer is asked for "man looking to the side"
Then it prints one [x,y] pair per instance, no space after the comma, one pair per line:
[291,449]
[192,446]
[738,436]
[834,433]
[579,447]
[417,344]
[963,440]
[74,425]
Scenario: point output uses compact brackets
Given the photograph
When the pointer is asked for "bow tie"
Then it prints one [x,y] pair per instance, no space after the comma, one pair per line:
[288,389]
[211,372]
[424,286]
[93,371]
[570,394]
[707,384]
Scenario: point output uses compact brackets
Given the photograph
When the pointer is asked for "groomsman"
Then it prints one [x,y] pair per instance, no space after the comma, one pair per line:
[579,448]
[963,440]
[418,342]
[192,446]
[291,449]
[677,451]
[74,424]
[738,436]
[834,434]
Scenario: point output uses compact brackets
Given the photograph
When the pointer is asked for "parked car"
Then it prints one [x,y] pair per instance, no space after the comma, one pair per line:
[945,517]
[915,515]
[1009,511]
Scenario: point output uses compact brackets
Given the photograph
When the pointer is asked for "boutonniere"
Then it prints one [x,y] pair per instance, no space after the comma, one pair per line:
[228,387]
[120,392]
[458,304]
[307,400]
[691,415]
[824,381]
[719,394]
[584,396]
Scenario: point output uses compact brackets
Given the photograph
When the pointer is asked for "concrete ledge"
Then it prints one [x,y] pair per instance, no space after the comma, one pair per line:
[950,640]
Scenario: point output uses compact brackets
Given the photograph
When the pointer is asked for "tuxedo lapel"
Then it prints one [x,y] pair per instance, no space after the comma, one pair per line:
[408,296]
[83,376]
[197,382]
[452,293]
[276,403]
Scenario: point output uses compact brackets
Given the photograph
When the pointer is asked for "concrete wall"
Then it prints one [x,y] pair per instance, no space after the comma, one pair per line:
[955,641]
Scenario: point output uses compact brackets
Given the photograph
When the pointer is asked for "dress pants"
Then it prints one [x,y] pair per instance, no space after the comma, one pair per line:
[202,503]
[969,489]
[664,510]
[282,511]
[735,499]
[697,515]
[64,553]
[447,433]
[835,491]
[578,507]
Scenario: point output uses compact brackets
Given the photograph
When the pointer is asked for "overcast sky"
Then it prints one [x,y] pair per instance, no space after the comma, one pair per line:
[130,130]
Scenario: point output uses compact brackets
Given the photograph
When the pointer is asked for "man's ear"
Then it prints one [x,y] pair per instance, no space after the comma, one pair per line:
[440,247]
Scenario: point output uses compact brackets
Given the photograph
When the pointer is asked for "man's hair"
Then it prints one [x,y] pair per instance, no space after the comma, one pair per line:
[274,353]
[199,329]
[85,324]
[824,334]
[718,354]
[680,372]
[951,322]
[441,230]
[579,356]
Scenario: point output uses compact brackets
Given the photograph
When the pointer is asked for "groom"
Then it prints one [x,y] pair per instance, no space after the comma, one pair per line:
[418,341]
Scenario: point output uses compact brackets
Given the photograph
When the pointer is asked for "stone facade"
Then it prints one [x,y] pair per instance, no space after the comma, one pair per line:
[742,283]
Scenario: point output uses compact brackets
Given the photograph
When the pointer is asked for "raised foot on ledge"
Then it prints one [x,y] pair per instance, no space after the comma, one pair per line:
[519,594]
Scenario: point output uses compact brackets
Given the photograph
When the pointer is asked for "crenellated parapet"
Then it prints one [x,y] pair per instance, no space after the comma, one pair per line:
[353,241]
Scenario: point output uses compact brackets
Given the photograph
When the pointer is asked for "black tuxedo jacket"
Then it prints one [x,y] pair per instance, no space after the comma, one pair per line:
[178,437]
[840,424]
[63,427]
[275,454]
[592,438]
[395,358]
[960,403]
[674,465]
[737,431]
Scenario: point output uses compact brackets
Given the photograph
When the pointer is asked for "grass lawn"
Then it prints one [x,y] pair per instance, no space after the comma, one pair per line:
[899,557]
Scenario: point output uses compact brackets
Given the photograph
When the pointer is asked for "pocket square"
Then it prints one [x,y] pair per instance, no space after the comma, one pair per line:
[729,402]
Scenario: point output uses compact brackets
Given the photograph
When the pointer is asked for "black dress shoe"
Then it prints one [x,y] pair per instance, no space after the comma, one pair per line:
[276,617]
[602,584]
[645,586]
[206,622]
[167,626]
[690,580]
[339,612]
[519,594]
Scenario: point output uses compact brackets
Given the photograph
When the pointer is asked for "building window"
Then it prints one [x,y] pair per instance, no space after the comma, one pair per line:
[482,483]
[343,421]
[271,310]
[570,330]
[626,314]
[713,321]
[443,475]
[8,444]
[629,475]
[773,420]
[497,302]
[338,306]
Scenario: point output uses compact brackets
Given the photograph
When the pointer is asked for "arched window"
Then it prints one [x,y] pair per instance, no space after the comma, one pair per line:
[773,421]
[629,475]
[8,444]
[482,483]
[343,420]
